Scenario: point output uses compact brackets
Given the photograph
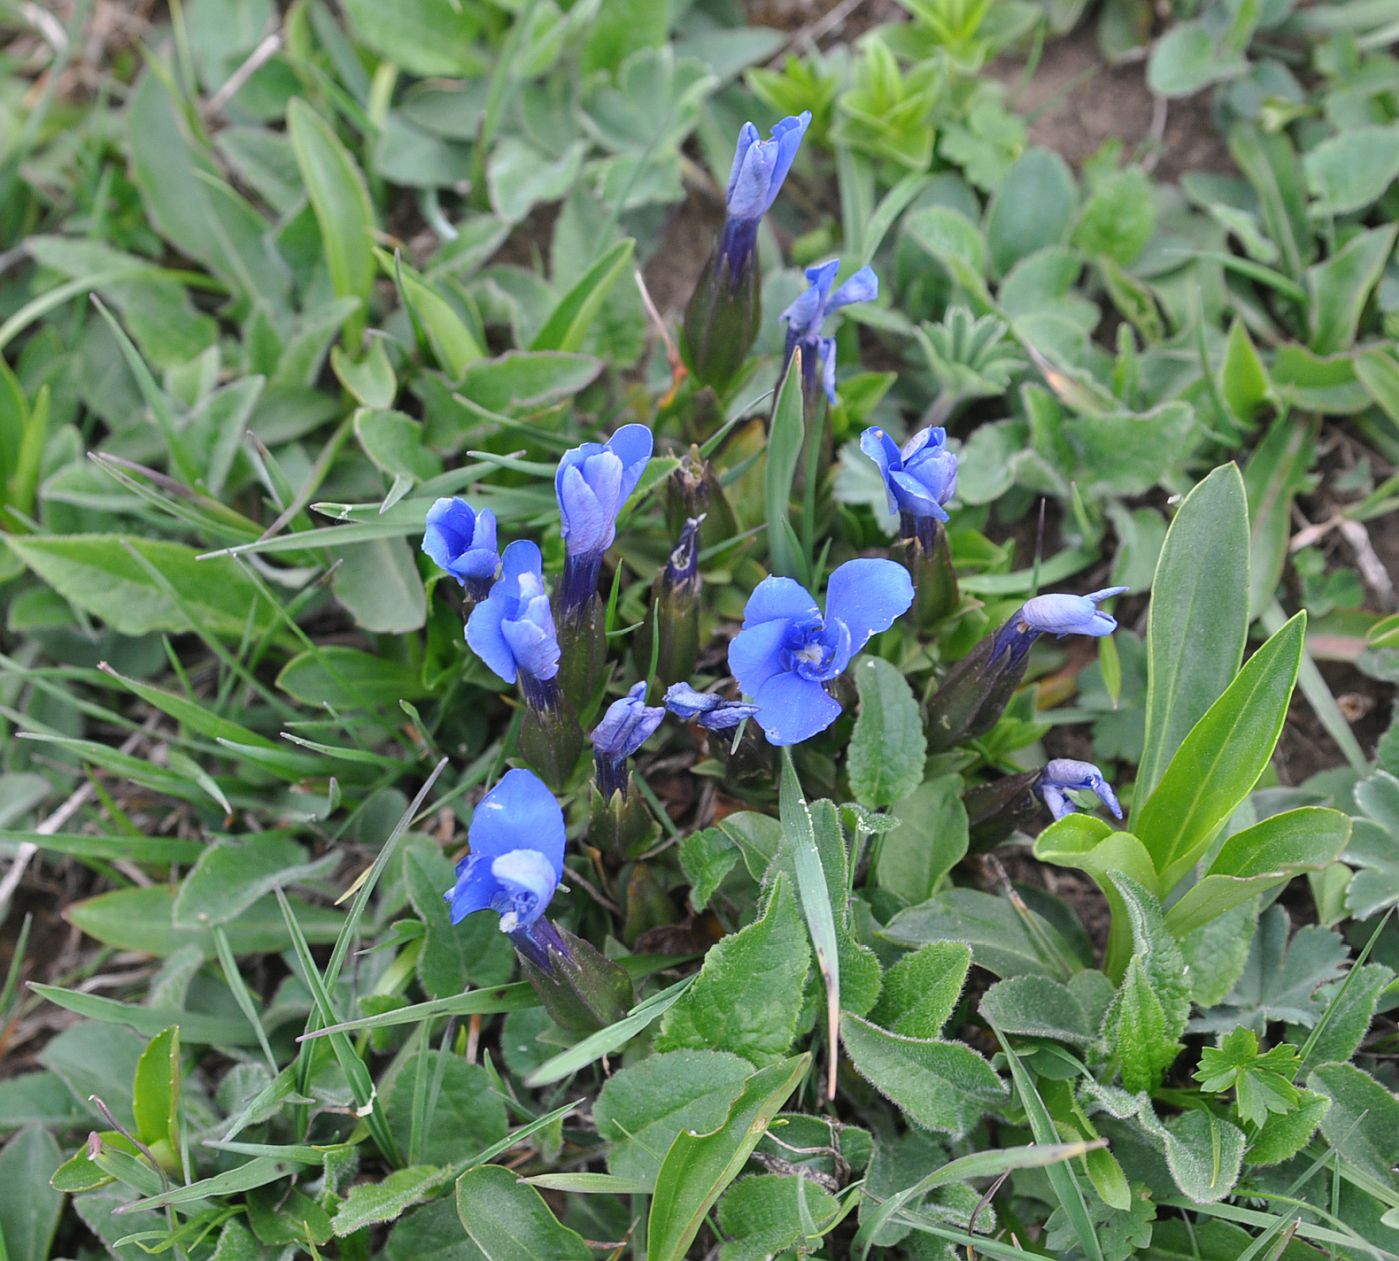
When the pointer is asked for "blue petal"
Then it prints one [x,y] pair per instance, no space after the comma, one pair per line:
[685,702]
[804,315]
[485,535]
[586,520]
[627,724]
[520,558]
[915,498]
[518,813]
[792,709]
[527,881]
[863,286]
[633,445]
[756,654]
[788,135]
[880,448]
[475,889]
[1060,614]
[868,595]
[775,598]
[748,195]
[485,637]
[532,639]
[828,368]
[747,138]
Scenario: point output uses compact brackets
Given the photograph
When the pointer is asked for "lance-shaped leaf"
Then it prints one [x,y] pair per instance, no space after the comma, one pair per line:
[1219,762]
[1258,859]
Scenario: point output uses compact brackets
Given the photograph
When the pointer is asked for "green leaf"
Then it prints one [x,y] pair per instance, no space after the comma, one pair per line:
[940,1085]
[1146,1020]
[645,1106]
[920,992]
[98,574]
[1189,57]
[370,1202]
[1275,473]
[698,1167]
[706,857]
[142,919]
[528,381]
[1372,847]
[1260,858]
[1198,618]
[1262,1081]
[1279,979]
[425,37]
[569,322]
[1038,1007]
[1031,209]
[1350,170]
[156,1091]
[29,1207]
[1340,287]
[1219,762]
[346,678]
[394,444]
[379,584]
[1087,844]
[453,344]
[431,1233]
[1118,218]
[461,1108]
[931,838]
[233,874]
[1003,939]
[887,746]
[1243,378]
[768,1213]
[341,204]
[519,177]
[784,446]
[1283,1134]
[1363,1121]
[748,994]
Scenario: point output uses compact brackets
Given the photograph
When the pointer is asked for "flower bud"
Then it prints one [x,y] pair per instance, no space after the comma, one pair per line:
[672,621]
[581,989]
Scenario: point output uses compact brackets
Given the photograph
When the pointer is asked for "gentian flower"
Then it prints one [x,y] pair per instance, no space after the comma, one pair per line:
[787,651]
[516,858]
[513,869]
[512,629]
[462,541]
[1064,773]
[756,177]
[806,315]
[625,727]
[592,483]
[713,713]
[722,316]
[919,479]
[976,690]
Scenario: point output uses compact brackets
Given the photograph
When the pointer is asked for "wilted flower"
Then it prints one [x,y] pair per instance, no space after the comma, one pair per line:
[806,315]
[976,690]
[722,316]
[713,713]
[512,629]
[1063,774]
[593,481]
[516,858]
[1014,802]
[462,541]
[625,727]
[787,651]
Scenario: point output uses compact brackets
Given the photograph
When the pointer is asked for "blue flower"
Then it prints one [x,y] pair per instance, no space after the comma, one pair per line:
[462,541]
[787,651]
[593,482]
[1068,614]
[760,166]
[713,713]
[920,478]
[806,315]
[516,858]
[1065,773]
[625,727]
[512,629]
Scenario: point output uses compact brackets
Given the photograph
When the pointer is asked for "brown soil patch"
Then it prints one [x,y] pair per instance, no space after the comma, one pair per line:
[1076,102]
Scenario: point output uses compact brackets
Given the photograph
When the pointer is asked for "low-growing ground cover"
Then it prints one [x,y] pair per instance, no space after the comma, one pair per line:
[677,630]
